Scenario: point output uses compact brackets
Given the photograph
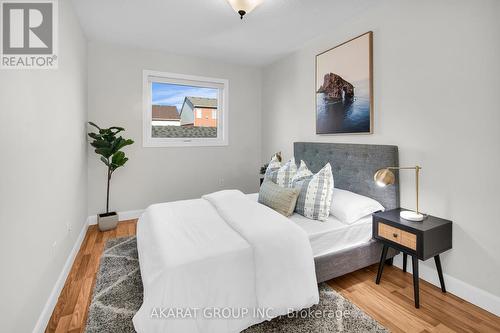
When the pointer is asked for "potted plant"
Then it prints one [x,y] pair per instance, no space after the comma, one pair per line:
[108,145]
[263,169]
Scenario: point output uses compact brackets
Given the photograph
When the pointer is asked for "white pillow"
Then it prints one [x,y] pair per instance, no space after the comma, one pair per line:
[349,207]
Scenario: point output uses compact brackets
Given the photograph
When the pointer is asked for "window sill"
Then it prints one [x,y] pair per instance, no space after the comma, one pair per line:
[159,143]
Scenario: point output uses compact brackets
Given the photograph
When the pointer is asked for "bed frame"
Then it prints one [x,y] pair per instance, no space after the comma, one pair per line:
[353,166]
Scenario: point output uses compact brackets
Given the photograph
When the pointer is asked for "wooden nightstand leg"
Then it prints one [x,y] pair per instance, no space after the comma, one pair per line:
[381,263]
[405,259]
[440,272]
[414,262]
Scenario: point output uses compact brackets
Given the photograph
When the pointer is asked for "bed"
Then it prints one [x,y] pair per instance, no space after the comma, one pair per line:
[226,252]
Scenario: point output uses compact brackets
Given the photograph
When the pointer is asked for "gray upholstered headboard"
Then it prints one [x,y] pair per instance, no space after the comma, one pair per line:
[353,167]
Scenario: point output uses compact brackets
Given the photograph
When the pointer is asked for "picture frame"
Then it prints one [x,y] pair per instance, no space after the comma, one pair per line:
[344,87]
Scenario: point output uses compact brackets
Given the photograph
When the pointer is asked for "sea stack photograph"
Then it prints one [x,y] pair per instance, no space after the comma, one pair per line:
[343,88]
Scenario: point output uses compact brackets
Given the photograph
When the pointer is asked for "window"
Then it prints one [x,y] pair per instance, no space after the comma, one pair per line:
[177,110]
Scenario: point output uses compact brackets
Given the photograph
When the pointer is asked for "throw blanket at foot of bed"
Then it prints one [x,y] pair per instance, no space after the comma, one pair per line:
[220,264]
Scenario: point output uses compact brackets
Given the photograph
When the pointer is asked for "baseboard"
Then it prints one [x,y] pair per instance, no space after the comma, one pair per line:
[471,294]
[44,318]
[122,216]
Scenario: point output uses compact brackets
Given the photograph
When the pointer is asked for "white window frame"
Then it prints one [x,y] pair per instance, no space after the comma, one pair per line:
[222,85]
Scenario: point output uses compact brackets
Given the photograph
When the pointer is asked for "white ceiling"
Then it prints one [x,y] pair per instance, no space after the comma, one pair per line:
[211,29]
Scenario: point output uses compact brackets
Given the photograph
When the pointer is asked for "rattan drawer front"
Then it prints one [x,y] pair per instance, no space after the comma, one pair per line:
[409,240]
[390,233]
[404,238]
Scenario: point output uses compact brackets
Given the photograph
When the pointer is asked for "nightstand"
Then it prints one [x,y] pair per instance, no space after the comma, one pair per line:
[420,240]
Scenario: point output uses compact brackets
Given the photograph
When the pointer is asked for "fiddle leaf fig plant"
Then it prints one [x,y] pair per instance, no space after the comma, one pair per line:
[109,145]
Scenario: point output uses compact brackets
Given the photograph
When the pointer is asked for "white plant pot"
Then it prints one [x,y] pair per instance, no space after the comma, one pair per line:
[107,221]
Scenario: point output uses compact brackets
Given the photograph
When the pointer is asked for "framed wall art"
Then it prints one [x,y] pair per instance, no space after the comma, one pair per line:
[344,88]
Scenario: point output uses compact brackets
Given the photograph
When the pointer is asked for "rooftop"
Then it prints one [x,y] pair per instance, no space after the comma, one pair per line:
[165,112]
[200,102]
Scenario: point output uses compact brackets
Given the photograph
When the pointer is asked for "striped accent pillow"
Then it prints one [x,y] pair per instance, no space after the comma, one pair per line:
[315,196]
[283,176]
[302,173]
[273,165]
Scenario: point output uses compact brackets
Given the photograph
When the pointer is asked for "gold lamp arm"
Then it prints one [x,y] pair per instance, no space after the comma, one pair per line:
[417,172]
[403,168]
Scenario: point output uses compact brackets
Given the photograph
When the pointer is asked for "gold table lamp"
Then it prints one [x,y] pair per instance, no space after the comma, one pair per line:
[385,176]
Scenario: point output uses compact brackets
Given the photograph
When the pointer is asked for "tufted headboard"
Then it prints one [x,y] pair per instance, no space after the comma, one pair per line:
[353,167]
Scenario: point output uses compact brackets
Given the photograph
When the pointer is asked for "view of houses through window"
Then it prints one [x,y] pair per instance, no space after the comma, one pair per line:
[183,111]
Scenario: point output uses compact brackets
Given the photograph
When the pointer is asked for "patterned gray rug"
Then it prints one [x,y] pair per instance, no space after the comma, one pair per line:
[118,295]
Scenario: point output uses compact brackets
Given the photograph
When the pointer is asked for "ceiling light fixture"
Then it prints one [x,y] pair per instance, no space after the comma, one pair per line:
[243,7]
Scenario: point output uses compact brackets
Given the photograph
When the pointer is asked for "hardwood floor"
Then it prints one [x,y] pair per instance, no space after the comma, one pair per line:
[391,302]
[70,313]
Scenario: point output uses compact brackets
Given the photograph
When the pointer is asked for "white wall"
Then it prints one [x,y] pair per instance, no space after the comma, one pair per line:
[43,168]
[436,82]
[162,174]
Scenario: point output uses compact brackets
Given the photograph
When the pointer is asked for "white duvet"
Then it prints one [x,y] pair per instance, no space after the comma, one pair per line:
[220,264]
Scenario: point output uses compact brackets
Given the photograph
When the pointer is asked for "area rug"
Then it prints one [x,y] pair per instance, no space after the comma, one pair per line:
[118,295]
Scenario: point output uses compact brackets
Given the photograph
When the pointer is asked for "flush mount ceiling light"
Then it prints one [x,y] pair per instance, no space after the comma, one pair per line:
[243,7]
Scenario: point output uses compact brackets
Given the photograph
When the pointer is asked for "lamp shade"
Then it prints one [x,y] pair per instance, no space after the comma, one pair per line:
[384,177]
[243,7]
